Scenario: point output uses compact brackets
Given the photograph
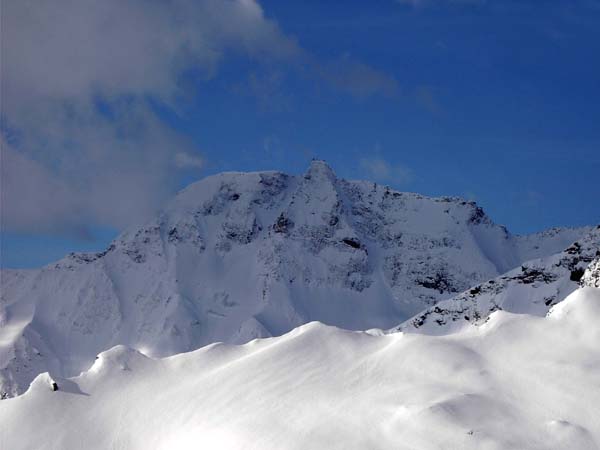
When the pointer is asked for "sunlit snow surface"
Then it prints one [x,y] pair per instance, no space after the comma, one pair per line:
[515,382]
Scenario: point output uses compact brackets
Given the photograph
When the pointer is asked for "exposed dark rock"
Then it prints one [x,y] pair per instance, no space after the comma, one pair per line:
[440,282]
[531,275]
[241,233]
[477,216]
[135,255]
[282,224]
[476,290]
[574,249]
[354,243]
[576,275]
[173,236]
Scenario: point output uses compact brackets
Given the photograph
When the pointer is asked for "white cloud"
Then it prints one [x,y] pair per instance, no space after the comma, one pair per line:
[79,168]
[187,161]
[378,169]
[30,194]
[73,163]
[68,48]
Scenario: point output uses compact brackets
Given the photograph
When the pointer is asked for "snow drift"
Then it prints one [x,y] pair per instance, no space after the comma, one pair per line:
[517,381]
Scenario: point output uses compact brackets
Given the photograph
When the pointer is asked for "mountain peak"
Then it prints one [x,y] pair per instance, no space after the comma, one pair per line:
[319,170]
[238,256]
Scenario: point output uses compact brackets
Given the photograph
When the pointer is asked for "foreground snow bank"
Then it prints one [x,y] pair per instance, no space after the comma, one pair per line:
[515,382]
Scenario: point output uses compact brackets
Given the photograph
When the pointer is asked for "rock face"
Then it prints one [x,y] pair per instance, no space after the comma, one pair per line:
[591,276]
[238,256]
[532,288]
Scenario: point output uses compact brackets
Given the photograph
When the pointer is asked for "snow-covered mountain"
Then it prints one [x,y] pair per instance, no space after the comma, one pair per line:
[532,288]
[515,382]
[238,256]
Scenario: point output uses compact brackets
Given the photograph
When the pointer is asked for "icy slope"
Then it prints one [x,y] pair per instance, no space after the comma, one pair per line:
[532,288]
[516,382]
[243,255]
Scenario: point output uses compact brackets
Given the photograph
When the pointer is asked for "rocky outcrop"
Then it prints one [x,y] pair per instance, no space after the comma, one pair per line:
[591,276]
[532,288]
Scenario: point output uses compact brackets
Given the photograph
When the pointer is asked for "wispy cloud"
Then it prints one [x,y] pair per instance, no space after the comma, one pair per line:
[267,88]
[378,169]
[185,160]
[358,79]
[426,98]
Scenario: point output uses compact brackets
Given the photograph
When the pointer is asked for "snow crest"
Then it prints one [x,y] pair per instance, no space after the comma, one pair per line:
[516,382]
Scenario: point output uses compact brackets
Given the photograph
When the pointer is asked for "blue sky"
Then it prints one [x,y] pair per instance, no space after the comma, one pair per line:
[495,101]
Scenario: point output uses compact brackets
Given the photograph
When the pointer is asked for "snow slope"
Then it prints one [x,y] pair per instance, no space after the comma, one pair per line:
[515,382]
[532,288]
[238,256]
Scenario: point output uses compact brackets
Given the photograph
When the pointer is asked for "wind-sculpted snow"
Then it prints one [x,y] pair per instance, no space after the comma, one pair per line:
[515,382]
[532,288]
[238,256]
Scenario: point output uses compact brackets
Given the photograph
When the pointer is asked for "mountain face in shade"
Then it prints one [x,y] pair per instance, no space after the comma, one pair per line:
[238,256]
